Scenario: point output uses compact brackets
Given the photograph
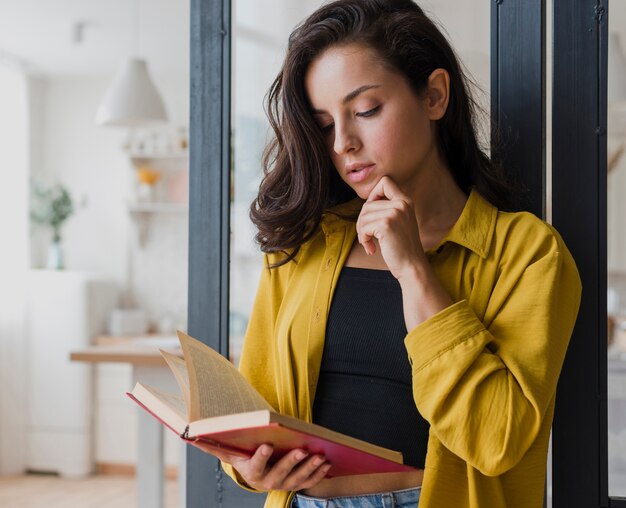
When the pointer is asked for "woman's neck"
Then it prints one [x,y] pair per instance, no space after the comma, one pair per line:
[437,199]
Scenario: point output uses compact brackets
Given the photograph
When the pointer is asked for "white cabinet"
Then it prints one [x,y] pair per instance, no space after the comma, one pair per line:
[65,310]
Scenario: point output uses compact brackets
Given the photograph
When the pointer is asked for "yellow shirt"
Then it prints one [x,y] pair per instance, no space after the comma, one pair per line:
[485,369]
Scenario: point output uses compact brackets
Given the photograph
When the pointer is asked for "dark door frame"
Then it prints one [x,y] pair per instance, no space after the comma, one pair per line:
[209,210]
[518,99]
[579,158]
[580,475]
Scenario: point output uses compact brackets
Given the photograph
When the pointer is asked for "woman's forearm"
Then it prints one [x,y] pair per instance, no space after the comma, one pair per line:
[423,295]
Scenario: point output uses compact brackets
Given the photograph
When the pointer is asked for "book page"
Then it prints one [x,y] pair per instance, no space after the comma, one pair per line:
[215,385]
[171,400]
[167,407]
[179,368]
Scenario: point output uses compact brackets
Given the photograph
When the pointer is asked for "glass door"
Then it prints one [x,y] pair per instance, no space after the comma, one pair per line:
[616,251]
[260,33]
[229,130]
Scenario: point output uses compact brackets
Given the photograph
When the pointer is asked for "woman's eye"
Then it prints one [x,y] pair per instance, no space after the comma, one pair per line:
[369,112]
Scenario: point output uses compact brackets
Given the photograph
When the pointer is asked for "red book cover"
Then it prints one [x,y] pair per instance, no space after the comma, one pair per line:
[220,406]
[344,460]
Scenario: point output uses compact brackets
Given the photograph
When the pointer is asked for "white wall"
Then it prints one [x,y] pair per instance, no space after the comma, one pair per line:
[90,161]
[616,213]
[14,161]
[616,183]
[101,237]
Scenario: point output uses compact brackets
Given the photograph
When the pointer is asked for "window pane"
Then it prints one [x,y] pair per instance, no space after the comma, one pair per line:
[616,251]
[260,31]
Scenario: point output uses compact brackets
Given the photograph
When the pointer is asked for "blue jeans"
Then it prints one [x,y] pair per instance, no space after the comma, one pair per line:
[407,498]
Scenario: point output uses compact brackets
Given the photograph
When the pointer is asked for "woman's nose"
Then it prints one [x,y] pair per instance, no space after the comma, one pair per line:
[346,140]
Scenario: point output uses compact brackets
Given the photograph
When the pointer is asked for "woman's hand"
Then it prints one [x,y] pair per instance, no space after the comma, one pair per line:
[389,217]
[294,471]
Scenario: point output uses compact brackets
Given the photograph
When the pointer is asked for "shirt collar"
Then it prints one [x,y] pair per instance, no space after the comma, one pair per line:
[475,226]
[473,229]
[331,221]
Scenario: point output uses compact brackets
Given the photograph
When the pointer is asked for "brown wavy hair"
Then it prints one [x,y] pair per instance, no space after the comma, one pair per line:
[300,181]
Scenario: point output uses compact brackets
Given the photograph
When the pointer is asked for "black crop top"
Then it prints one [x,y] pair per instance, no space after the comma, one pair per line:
[364,388]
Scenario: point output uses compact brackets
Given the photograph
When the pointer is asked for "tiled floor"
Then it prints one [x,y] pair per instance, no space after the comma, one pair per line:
[47,491]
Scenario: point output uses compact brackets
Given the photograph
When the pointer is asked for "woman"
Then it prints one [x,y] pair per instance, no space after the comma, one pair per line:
[401,303]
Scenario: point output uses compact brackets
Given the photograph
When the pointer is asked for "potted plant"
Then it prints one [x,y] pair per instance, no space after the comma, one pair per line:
[51,207]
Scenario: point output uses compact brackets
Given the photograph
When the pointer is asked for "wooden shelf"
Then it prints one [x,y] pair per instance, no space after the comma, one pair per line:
[142,214]
[157,207]
[148,339]
[143,350]
[170,165]
[177,154]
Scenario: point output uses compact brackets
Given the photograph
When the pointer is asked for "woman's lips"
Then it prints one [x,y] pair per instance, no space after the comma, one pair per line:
[360,174]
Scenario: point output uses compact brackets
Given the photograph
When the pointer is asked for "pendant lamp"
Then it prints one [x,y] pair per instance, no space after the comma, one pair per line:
[132,100]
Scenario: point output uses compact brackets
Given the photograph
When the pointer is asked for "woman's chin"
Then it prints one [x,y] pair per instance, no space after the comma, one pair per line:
[363,191]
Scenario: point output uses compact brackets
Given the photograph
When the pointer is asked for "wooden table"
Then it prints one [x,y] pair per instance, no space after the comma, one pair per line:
[149,367]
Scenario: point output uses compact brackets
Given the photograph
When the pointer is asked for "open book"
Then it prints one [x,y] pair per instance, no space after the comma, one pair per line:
[218,405]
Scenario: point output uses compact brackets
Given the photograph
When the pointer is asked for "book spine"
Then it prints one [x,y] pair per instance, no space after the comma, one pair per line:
[185,435]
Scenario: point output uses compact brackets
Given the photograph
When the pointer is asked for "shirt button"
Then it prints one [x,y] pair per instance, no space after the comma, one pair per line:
[316,316]
[327,264]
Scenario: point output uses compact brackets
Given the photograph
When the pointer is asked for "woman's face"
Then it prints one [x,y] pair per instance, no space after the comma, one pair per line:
[374,123]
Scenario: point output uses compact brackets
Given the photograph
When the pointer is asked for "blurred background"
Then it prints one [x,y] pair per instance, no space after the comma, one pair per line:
[94,115]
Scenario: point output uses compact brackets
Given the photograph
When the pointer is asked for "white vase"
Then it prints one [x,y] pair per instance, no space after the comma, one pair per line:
[55,256]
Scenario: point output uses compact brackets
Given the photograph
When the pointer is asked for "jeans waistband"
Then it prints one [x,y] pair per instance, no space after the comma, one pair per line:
[404,498]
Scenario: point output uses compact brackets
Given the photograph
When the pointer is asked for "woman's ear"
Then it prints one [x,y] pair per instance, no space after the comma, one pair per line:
[438,93]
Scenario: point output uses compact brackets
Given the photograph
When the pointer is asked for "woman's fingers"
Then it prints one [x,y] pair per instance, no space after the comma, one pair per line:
[369,246]
[308,474]
[377,223]
[276,476]
[254,469]
[384,204]
[385,208]
[316,477]
[386,188]
[213,450]
[294,471]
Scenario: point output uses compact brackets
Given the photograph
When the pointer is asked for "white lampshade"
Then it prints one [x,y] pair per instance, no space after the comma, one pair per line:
[132,100]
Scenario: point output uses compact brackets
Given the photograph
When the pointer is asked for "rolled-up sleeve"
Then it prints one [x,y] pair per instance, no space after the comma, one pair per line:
[485,389]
